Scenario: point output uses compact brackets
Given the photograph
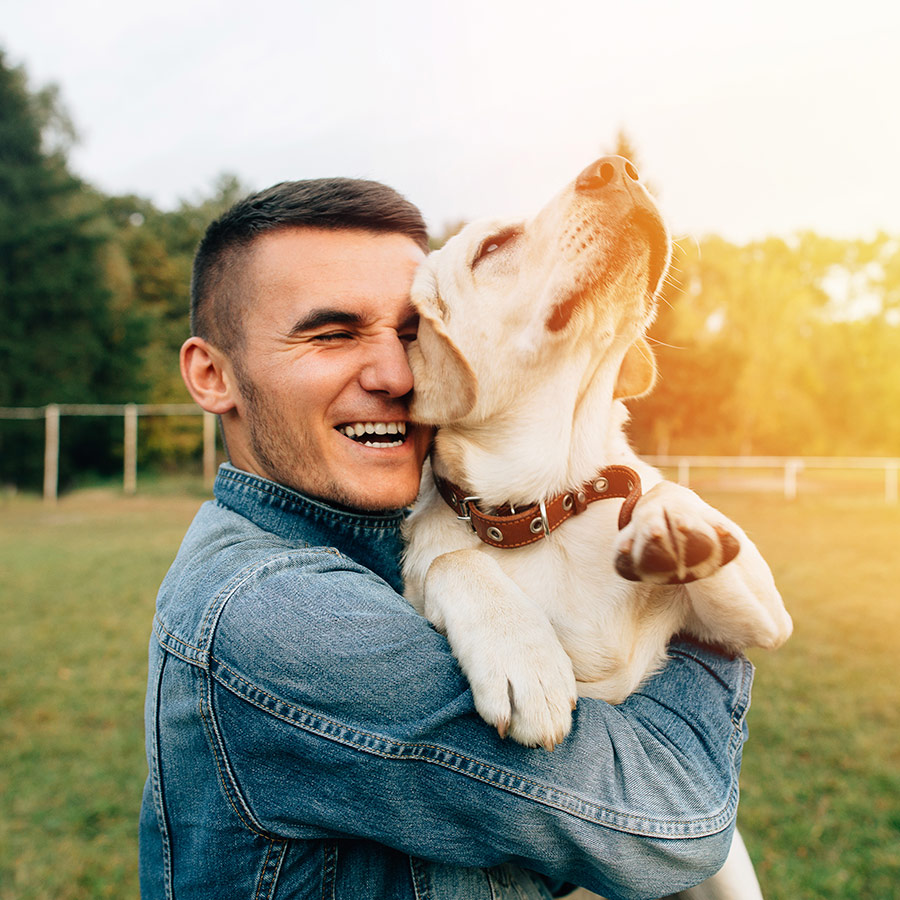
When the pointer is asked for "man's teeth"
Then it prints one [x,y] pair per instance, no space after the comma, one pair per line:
[359,430]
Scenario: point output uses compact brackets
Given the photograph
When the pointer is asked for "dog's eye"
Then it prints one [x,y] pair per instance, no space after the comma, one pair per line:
[494,243]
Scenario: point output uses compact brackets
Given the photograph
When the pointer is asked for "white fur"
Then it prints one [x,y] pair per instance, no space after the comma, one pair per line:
[522,383]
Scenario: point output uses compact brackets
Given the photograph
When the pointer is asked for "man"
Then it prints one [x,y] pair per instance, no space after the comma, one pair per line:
[308,734]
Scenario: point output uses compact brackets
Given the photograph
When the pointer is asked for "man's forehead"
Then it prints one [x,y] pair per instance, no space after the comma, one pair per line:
[366,274]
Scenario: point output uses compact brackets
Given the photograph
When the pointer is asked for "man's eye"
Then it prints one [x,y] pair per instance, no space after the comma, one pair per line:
[332,336]
[494,243]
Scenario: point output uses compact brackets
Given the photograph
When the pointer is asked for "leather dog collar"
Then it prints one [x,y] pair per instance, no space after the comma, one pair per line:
[508,528]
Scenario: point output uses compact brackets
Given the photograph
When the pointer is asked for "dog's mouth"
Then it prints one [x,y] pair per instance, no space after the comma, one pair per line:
[647,220]
[643,225]
[375,434]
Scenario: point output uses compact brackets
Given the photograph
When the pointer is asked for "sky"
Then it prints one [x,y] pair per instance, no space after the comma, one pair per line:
[749,118]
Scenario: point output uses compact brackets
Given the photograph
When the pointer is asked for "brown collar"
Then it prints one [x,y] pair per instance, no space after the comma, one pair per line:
[509,528]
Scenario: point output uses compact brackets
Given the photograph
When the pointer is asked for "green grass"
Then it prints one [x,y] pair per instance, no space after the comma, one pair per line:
[76,601]
[820,810]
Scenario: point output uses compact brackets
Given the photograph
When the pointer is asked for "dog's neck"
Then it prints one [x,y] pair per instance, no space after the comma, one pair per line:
[539,445]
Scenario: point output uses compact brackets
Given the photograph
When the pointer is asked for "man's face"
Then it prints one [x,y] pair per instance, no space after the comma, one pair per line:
[324,357]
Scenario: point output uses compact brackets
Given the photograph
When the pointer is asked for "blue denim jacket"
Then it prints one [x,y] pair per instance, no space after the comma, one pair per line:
[309,735]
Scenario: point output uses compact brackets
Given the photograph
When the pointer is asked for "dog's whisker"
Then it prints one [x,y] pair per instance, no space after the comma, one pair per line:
[658,343]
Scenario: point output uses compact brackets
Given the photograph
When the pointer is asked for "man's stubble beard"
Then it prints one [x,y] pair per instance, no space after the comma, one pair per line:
[281,458]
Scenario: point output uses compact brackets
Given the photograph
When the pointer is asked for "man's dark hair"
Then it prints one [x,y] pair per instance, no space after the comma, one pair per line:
[217,286]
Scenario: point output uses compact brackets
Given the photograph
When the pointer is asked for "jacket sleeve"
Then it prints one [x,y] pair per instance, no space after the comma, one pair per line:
[338,710]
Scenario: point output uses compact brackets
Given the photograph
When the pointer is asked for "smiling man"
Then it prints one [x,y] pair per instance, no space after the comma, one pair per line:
[308,734]
[313,393]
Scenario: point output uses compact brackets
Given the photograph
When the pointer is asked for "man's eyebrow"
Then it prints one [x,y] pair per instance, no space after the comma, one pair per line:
[319,318]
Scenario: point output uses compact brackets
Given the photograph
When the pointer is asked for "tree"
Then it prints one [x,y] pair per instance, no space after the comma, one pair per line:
[63,339]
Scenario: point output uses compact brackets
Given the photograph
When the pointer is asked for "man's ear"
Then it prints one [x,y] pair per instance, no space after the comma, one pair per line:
[637,374]
[208,375]
[444,385]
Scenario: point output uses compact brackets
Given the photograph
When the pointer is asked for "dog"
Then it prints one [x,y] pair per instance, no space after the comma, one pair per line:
[531,334]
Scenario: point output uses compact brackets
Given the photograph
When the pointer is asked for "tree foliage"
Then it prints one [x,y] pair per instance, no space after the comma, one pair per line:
[63,338]
[776,347]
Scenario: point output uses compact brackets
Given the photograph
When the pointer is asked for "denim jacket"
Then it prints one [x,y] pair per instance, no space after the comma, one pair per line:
[310,735]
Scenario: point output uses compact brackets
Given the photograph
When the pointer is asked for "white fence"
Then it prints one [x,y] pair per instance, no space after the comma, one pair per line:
[786,469]
[129,412]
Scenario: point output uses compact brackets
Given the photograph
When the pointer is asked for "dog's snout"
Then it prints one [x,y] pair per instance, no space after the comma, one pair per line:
[610,171]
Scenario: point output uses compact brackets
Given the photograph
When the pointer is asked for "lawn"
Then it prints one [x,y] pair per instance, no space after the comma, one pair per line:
[820,807]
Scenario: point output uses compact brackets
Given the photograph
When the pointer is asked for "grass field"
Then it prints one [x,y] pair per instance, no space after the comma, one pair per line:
[820,808]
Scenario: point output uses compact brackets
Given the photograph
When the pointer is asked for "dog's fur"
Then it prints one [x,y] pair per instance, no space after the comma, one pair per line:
[530,335]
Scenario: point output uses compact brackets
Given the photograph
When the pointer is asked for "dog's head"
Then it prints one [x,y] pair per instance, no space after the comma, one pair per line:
[504,304]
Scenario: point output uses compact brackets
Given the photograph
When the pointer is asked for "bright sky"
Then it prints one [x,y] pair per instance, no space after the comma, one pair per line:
[750,117]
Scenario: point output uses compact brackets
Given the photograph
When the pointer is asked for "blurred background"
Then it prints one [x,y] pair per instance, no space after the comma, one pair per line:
[769,135]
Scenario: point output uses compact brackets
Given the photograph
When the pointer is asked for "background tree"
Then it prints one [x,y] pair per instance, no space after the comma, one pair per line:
[63,338]
[149,268]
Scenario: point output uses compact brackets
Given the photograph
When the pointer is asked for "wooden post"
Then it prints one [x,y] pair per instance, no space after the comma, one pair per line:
[209,448]
[129,481]
[51,453]
[684,472]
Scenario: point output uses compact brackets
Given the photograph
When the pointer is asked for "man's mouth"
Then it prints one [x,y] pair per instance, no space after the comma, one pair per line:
[375,434]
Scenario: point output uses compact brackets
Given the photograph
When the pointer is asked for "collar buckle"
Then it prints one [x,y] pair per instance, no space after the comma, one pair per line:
[464,515]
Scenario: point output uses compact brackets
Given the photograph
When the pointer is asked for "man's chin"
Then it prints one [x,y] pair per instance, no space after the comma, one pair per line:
[363,498]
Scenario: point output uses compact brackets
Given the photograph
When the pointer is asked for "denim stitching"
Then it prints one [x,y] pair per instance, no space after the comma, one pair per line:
[419,879]
[262,874]
[213,737]
[714,823]
[157,788]
[329,870]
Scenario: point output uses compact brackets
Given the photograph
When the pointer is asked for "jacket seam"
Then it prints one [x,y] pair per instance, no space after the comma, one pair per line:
[554,797]
[157,786]
[214,609]
[225,778]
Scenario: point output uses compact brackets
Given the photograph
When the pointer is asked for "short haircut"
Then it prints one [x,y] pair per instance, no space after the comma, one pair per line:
[217,287]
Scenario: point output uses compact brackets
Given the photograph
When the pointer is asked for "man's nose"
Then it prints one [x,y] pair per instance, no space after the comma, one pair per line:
[605,173]
[387,368]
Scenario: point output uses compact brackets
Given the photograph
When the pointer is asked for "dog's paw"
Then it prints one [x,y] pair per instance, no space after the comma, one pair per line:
[526,689]
[674,538]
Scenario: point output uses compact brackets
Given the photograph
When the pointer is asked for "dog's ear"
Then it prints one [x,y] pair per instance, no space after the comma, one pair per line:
[637,374]
[444,386]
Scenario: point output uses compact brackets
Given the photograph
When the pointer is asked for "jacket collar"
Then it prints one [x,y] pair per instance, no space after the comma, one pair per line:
[370,538]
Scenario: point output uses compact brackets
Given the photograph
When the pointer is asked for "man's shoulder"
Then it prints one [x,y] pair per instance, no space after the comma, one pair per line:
[231,575]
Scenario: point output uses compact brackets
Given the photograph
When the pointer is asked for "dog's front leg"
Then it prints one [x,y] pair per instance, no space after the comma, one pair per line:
[521,677]
[739,606]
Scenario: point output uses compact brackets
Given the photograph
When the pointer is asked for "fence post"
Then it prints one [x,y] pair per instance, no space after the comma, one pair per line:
[51,452]
[890,483]
[684,472]
[129,479]
[791,468]
[209,447]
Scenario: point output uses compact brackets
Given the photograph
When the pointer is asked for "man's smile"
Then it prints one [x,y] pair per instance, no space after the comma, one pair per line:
[375,434]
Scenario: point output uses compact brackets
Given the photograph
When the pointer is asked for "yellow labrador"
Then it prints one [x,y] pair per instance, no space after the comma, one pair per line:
[546,585]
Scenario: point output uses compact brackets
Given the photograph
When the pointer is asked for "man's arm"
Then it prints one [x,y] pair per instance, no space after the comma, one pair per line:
[341,711]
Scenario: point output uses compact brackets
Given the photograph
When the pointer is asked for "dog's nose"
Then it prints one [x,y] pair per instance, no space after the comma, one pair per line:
[610,171]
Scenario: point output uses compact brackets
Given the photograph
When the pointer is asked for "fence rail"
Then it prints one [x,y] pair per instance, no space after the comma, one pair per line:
[788,467]
[129,412]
